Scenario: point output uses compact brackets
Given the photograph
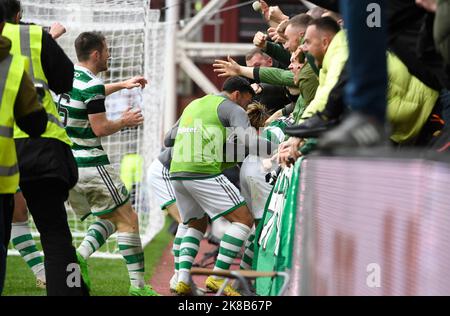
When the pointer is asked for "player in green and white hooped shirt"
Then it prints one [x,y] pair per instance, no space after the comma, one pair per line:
[196,173]
[99,189]
[254,187]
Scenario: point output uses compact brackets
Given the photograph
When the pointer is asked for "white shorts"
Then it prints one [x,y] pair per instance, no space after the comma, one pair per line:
[98,191]
[215,196]
[159,182]
[254,187]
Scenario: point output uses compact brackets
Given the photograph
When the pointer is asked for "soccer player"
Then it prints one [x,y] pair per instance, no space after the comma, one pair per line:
[197,176]
[159,181]
[99,190]
[254,187]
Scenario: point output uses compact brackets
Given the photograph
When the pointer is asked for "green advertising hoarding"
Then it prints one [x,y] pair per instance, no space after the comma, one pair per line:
[275,233]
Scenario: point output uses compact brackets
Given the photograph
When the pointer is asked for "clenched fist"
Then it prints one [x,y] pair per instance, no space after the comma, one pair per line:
[260,40]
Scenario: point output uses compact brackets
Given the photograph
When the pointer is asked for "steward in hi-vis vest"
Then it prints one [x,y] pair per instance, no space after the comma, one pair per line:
[18,103]
[12,69]
[27,41]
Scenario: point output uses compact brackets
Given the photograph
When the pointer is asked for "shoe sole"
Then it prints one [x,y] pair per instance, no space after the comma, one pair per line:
[187,293]
[200,292]
[210,289]
[183,294]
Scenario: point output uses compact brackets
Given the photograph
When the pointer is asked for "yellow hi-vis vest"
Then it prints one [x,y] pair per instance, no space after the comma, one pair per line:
[26,40]
[11,71]
[131,170]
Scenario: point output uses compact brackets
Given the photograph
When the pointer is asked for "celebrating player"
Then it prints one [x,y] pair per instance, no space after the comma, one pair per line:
[99,190]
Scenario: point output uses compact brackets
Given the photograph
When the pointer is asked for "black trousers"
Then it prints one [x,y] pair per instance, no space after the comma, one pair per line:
[6,213]
[45,199]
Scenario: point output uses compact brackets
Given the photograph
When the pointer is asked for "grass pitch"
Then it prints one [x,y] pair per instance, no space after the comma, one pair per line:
[109,277]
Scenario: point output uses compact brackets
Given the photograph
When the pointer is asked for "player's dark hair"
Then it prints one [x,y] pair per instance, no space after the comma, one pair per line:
[11,8]
[87,42]
[236,83]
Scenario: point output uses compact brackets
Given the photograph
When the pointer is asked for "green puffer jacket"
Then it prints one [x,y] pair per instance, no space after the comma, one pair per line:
[410,101]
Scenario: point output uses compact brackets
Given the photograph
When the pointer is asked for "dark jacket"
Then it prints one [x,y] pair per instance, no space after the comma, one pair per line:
[57,67]
[273,97]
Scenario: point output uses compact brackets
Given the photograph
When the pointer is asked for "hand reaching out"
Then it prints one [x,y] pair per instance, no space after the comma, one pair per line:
[227,68]
[56,30]
[281,29]
[257,88]
[429,5]
[276,15]
[135,82]
[272,14]
[260,40]
[276,36]
[265,9]
[288,151]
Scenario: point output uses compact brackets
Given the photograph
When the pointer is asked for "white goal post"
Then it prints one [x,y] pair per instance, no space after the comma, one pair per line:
[137,45]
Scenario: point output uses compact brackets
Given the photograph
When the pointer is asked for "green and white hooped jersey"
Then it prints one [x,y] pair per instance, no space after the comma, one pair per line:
[87,147]
[275,131]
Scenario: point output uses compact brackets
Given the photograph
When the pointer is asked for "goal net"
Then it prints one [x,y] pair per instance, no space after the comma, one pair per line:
[136,40]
